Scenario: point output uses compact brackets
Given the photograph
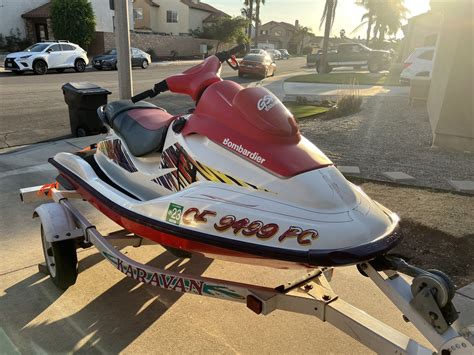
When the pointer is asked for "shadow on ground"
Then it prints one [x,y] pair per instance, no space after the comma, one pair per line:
[107,324]
[429,248]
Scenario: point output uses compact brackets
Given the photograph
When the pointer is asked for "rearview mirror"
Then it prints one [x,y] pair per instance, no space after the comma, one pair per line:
[49,50]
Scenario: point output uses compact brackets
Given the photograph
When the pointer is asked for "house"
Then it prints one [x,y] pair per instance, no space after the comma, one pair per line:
[32,18]
[449,105]
[420,31]
[173,17]
[10,16]
[277,35]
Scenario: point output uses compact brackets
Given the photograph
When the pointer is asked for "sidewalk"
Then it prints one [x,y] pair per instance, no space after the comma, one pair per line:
[387,140]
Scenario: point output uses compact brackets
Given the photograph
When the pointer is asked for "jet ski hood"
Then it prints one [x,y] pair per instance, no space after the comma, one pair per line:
[254,124]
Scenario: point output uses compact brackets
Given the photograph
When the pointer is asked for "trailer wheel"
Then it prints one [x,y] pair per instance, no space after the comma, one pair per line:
[61,261]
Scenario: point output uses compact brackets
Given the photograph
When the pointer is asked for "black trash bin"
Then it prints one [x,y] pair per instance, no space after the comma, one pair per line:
[83,100]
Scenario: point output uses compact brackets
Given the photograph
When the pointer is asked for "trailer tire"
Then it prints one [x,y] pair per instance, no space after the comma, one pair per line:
[61,261]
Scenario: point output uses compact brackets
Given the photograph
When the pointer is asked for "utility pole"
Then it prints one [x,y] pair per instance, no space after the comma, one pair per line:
[122,41]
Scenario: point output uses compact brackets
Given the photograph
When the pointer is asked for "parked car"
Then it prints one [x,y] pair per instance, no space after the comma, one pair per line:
[257,64]
[39,57]
[274,53]
[284,54]
[354,55]
[418,63]
[108,60]
[258,51]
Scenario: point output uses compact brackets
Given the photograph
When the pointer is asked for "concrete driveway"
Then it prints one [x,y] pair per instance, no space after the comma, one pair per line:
[105,312]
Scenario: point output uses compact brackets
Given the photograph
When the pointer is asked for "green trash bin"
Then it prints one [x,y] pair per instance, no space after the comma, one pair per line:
[83,100]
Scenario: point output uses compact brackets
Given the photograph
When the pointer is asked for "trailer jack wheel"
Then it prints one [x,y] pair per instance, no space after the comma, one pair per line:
[61,261]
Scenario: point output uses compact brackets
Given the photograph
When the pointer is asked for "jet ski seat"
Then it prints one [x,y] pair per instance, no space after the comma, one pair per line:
[143,126]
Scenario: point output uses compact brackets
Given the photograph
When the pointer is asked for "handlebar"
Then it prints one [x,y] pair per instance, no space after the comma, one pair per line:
[158,88]
[162,86]
[226,55]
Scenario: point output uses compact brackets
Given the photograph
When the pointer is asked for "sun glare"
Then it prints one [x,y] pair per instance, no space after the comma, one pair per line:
[417,7]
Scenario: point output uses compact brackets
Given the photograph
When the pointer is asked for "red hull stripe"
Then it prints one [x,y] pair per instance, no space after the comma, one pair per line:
[194,241]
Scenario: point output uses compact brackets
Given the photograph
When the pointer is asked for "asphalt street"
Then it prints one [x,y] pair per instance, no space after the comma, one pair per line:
[32,107]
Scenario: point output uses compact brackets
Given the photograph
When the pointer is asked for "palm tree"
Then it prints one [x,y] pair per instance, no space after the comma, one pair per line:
[328,19]
[369,17]
[247,11]
[382,17]
[389,16]
[257,17]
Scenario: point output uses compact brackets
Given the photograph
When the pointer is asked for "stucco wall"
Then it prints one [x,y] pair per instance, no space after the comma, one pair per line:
[144,23]
[450,106]
[183,17]
[10,14]
[196,17]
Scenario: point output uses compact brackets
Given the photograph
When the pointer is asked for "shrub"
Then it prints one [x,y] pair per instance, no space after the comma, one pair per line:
[13,42]
[346,105]
[73,20]
[153,54]
[307,50]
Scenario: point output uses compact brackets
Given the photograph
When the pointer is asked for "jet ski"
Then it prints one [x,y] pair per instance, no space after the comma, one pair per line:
[232,179]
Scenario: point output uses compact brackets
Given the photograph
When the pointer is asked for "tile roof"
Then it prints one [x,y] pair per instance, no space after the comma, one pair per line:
[42,11]
[202,6]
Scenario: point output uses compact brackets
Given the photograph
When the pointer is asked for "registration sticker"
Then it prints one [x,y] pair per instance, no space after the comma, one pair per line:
[174,213]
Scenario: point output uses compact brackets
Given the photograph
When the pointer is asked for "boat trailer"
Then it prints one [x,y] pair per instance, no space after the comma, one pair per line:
[424,300]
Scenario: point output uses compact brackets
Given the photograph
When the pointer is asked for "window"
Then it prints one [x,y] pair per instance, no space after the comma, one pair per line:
[138,13]
[68,47]
[356,49]
[55,48]
[428,55]
[278,33]
[172,16]
[263,32]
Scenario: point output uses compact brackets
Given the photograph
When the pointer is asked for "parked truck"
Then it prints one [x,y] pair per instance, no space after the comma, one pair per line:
[354,55]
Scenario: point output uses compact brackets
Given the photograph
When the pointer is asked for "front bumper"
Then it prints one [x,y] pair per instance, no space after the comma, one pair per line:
[17,64]
[103,64]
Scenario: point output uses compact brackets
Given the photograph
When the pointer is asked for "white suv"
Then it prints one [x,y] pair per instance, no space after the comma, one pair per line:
[58,55]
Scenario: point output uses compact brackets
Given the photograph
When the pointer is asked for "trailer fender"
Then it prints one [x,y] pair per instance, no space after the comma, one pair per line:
[58,223]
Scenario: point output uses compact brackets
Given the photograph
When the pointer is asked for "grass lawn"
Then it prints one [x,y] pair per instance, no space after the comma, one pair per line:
[348,78]
[304,111]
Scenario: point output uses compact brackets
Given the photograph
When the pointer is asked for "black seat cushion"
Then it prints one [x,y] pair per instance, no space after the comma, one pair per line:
[114,108]
[142,127]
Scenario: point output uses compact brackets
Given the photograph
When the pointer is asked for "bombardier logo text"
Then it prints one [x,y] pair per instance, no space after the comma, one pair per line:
[241,150]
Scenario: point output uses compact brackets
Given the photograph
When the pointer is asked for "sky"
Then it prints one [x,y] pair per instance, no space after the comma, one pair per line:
[309,12]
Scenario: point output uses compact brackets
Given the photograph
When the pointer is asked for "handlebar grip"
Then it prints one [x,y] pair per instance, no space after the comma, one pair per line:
[223,56]
[143,95]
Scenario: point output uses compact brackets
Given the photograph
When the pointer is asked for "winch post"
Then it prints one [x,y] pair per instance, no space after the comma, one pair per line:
[398,290]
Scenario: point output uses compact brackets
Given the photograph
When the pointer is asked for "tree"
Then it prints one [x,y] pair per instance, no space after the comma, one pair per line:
[382,17]
[257,17]
[328,19]
[388,19]
[247,11]
[225,29]
[300,35]
[369,17]
[73,20]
